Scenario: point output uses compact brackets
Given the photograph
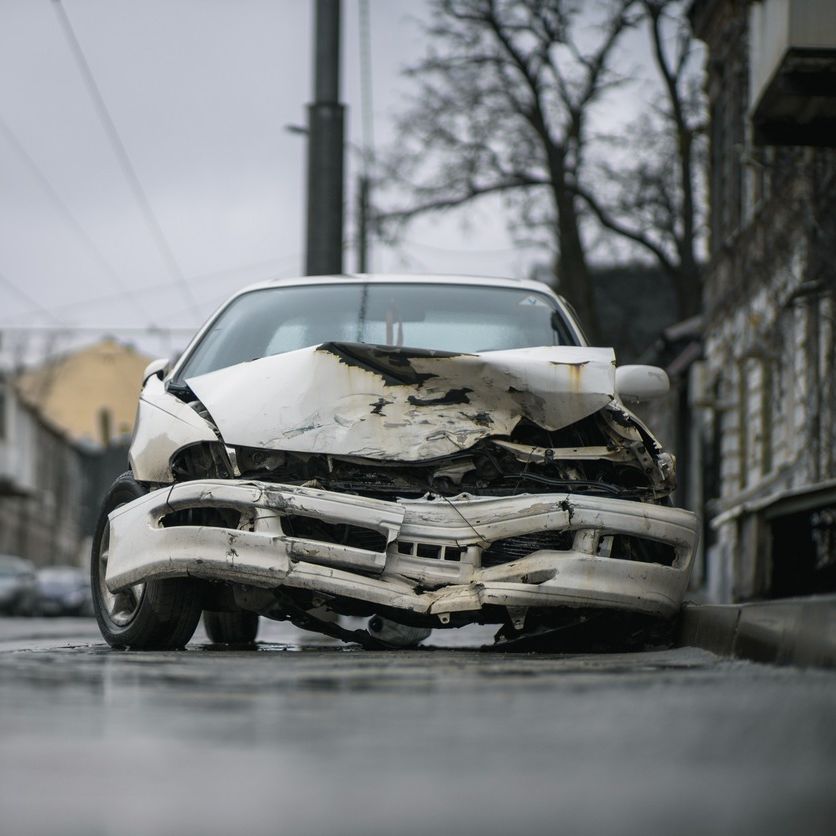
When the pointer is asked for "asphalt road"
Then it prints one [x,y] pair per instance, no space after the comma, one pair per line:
[304,736]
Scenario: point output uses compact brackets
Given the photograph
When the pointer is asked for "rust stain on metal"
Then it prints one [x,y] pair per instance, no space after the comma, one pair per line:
[575,375]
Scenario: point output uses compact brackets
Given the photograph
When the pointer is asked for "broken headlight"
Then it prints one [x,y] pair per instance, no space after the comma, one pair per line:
[205,460]
[258,460]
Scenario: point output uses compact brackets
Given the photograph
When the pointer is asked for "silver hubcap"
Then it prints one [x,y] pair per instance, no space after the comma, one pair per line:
[121,606]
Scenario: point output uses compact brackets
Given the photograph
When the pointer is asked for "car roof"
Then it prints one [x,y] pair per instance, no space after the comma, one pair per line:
[402,278]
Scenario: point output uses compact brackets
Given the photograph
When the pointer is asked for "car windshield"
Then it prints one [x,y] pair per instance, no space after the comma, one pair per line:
[446,317]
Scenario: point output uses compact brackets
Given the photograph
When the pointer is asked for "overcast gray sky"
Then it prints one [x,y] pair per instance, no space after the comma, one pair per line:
[199,93]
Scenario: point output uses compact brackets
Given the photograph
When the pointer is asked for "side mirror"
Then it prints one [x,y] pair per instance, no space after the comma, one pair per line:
[154,368]
[641,383]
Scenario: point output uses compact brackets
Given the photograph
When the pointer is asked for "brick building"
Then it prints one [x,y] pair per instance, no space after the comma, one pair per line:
[768,391]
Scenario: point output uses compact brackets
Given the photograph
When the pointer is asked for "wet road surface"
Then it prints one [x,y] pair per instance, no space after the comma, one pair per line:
[304,736]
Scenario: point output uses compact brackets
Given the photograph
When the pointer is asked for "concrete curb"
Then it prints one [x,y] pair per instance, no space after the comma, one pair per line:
[795,631]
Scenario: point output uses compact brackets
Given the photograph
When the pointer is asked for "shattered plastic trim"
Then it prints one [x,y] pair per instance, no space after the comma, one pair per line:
[259,553]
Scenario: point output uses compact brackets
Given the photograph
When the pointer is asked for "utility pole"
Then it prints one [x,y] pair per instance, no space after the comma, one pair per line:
[363,188]
[364,181]
[324,253]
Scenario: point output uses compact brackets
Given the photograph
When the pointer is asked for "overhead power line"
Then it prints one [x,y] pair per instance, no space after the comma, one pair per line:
[122,155]
[202,278]
[68,216]
[22,294]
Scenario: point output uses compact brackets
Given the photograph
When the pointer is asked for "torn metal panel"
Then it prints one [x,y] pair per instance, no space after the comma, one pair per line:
[401,404]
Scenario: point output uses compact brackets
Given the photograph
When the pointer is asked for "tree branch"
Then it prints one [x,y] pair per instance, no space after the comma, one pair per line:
[473,192]
[610,222]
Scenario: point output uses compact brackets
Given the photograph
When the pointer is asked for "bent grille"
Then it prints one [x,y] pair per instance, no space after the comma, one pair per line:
[641,549]
[513,548]
[429,551]
[210,517]
[311,528]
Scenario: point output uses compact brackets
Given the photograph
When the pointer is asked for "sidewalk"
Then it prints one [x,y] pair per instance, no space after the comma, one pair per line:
[794,631]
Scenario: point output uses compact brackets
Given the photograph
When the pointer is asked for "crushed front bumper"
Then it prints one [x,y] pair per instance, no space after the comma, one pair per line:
[432,560]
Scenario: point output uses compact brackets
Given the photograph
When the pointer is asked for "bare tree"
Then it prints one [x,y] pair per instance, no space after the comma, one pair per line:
[651,194]
[503,107]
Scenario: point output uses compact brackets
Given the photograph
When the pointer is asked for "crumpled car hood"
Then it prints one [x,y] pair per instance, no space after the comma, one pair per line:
[401,404]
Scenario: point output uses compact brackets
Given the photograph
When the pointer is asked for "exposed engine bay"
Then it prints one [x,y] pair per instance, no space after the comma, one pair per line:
[606,454]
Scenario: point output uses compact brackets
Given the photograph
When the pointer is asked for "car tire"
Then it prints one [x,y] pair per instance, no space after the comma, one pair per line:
[231,627]
[156,615]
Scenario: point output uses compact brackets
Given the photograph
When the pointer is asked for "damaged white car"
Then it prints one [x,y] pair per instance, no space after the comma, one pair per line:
[422,452]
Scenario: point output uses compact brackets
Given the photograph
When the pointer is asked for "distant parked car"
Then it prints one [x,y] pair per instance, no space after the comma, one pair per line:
[17,585]
[63,590]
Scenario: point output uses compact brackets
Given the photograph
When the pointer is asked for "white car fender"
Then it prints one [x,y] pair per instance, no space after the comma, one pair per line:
[164,425]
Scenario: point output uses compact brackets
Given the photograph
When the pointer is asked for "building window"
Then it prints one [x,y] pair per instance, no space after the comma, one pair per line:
[742,425]
[728,149]
[767,400]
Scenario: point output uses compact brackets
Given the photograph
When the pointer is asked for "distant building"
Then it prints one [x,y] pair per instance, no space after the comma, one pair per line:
[41,470]
[769,388]
[90,393]
[64,433]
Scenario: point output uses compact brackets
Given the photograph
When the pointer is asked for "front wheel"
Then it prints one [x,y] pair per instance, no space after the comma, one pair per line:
[156,615]
[231,627]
